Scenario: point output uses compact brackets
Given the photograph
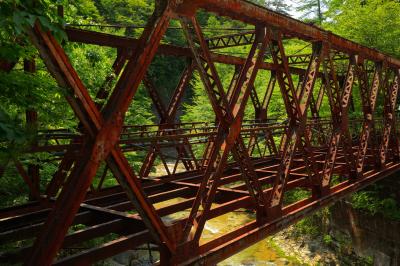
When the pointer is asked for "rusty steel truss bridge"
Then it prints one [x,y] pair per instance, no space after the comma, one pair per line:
[228,165]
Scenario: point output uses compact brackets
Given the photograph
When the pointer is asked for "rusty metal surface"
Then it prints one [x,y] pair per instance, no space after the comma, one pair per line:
[250,164]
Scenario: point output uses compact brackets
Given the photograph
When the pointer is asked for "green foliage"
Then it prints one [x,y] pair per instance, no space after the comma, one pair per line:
[21,91]
[327,239]
[295,195]
[308,227]
[376,202]
[312,10]
[81,11]
[280,6]
[282,254]
[126,12]
[312,226]
[93,64]
[374,23]
[13,138]
[16,16]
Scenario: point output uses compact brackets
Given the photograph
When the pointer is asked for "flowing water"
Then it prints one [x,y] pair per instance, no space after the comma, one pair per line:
[260,253]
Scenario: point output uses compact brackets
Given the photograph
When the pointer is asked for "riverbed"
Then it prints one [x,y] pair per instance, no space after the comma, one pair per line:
[261,253]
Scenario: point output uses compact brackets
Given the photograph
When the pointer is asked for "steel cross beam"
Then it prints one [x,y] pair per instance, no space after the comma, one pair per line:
[296,107]
[104,131]
[229,117]
[231,40]
[254,14]
[109,40]
[247,38]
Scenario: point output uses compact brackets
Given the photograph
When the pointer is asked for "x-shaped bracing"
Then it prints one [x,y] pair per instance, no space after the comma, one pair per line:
[103,130]
[261,116]
[368,100]
[296,104]
[339,103]
[389,129]
[167,118]
[229,114]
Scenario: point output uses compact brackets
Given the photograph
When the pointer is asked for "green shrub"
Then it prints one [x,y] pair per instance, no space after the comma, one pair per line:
[375,201]
[327,239]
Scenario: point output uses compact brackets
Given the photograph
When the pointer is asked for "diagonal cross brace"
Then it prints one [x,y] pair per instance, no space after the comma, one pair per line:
[339,103]
[210,142]
[368,98]
[389,119]
[103,134]
[261,115]
[167,117]
[297,112]
[229,118]
[69,158]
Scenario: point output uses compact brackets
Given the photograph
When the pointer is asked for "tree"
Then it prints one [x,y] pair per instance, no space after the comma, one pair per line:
[373,23]
[312,10]
[279,6]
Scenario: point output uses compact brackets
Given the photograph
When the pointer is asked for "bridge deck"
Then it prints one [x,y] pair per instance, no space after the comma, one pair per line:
[109,211]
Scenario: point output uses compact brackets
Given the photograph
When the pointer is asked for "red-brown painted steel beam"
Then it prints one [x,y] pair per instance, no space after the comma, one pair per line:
[108,125]
[215,251]
[339,104]
[109,40]
[229,117]
[296,107]
[167,118]
[251,13]
[389,120]
[369,95]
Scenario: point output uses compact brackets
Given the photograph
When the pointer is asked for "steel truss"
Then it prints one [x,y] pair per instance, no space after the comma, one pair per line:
[246,164]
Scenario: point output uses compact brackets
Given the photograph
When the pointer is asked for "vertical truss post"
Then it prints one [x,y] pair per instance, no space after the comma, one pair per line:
[296,107]
[389,119]
[368,99]
[103,134]
[339,103]
[229,114]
